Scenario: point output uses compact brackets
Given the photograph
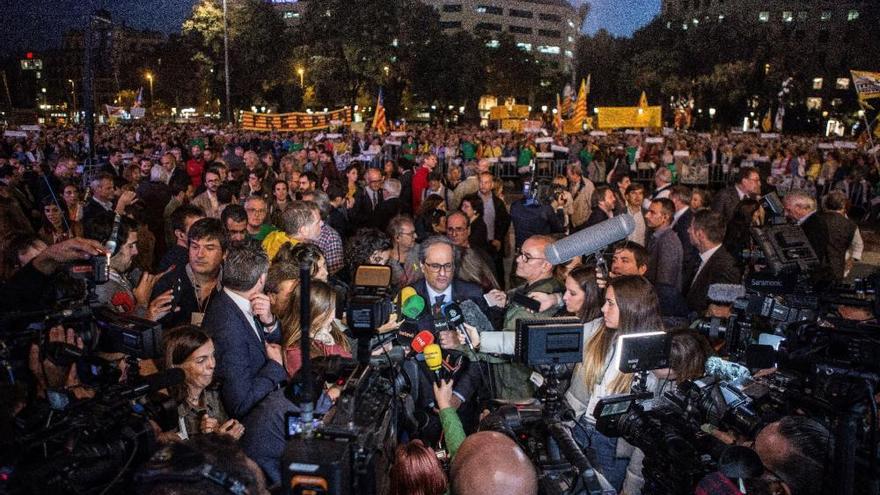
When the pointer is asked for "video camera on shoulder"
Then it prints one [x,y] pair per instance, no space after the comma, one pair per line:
[95,270]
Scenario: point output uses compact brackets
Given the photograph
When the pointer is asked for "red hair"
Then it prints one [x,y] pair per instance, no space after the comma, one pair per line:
[417,471]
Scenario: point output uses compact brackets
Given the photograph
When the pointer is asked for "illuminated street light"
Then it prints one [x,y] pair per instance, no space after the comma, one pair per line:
[149,76]
[302,73]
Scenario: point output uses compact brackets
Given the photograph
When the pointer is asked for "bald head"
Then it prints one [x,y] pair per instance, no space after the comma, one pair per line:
[489,462]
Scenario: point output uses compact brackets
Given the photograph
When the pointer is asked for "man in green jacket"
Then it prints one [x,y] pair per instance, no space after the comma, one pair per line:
[512,379]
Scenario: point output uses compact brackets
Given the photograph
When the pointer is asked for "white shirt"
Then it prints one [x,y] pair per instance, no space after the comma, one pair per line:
[704,257]
[432,294]
[245,306]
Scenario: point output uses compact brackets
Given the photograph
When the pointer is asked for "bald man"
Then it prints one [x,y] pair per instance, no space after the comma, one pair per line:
[490,463]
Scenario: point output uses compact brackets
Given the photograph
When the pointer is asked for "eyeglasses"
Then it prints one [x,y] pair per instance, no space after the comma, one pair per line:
[437,267]
[255,210]
[408,233]
[526,256]
[456,229]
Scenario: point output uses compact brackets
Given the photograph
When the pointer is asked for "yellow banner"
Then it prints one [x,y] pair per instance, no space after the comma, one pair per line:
[867,84]
[620,117]
[295,122]
[514,112]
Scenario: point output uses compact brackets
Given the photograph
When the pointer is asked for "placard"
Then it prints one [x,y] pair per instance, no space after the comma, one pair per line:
[848,145]
[598,133]
[769,135]
[544,154]
[398,134]
[560,149]
[631,132]
[681,154]
[15,134]
[654,140]
[542,140]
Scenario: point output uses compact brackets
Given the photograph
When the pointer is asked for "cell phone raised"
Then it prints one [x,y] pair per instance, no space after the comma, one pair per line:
[527,302]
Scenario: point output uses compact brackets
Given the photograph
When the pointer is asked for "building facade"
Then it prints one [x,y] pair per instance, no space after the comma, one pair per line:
[547,29]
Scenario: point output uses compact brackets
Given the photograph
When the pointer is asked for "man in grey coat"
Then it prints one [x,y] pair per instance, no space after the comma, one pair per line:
[665,261]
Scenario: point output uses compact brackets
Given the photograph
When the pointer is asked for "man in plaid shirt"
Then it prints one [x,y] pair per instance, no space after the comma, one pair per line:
[329,241]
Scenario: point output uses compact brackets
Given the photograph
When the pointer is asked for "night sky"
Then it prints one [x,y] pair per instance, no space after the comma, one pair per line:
[38,24]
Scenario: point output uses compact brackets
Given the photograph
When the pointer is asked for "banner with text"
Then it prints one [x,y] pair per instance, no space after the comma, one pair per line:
[295,122]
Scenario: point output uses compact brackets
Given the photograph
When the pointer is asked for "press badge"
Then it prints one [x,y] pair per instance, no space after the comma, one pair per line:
[196,319]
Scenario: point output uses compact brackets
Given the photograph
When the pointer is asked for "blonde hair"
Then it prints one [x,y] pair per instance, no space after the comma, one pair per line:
[322,304]
[639,312]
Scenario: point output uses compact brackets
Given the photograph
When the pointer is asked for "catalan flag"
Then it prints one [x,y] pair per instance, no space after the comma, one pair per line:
[567,101]
[643,102]
[580,106]
[767,123]
[379,122]
[139,100]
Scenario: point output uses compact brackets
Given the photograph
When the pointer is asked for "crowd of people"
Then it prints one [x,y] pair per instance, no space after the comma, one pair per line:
[206,229]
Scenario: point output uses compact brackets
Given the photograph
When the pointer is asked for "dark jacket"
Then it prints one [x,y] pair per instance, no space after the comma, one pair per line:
[725,202]
[92,209]
[362,214]
[243,367]
[690,257]
[721,268]
[386,210]
[598,215]
[840,231]
[533,219]
[185,302]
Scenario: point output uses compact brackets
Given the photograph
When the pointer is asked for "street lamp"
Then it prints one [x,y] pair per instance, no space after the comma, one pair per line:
[149,76]
[302,73]
[387,70]
[73,93]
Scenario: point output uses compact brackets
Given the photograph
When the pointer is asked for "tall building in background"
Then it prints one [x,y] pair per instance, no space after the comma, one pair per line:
[548,29]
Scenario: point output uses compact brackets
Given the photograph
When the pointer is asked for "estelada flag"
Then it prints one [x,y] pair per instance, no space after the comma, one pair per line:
[867,84]
[643,101]
[379,122]
[557,119]
[767,123]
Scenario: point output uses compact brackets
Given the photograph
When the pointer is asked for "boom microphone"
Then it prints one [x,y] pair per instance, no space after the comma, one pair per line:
[590,240]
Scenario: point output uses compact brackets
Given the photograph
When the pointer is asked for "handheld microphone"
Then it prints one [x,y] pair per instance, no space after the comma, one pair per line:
[411,307]
[433,359]
[455,319]
[590,240]
[422,340]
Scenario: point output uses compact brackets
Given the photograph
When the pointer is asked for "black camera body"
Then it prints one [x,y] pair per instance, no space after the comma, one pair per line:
[370,304]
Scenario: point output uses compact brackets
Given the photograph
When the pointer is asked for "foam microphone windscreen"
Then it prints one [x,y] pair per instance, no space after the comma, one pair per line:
[725,293]
[413,307]
[433,357]
[590,240]
[406,293]
[421,340]
[473,315]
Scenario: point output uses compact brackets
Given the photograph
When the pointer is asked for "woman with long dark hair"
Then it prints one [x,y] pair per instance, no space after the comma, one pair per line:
[326,338]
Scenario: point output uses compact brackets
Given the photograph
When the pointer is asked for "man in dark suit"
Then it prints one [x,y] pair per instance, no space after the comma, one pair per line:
[497,220]
[241,324]
[177,175]
[800,208]
[102,197]
[717,266]
[681,222]
[748,184]
[840,230]
[439,287]
[114,165]
[390,207]
[603,208]
[367,200]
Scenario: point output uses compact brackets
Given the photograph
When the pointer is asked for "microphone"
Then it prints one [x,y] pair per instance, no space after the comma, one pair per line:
[411,304]
[590,240]
[725,293]
[154,382]
[433,359]
[455,319]
[422,340]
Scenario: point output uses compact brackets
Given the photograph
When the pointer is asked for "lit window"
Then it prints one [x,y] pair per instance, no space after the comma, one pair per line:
[763,16]
[787,16]
[695,21]
[814,103]
[571,23]
[825,15]
[817,83]
[852,15]
[569,53]
[684,26]
[524,46]
[570,39]
[842,83]
[488,9]
[493,43]
[551,50]
[720,17]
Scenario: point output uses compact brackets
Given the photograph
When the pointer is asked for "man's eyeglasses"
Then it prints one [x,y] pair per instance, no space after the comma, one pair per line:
[456,229]
[437,267]
[526,256]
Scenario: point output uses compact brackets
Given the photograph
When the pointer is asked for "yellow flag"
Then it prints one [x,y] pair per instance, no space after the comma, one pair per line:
[643,101]
[557,119]
[767,123]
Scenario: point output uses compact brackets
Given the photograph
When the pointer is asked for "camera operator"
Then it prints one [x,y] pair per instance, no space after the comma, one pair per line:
[240,322]
[796,452]
[630,306]
[195,284]
[33,286]
[118,292]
